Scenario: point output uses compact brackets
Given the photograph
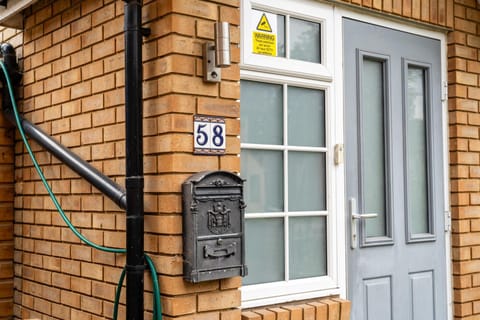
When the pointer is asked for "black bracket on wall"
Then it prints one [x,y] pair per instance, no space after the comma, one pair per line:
[9,56]
[3,3]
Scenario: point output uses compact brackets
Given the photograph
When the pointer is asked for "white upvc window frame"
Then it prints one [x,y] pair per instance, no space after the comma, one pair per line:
[302,9]
[285,71]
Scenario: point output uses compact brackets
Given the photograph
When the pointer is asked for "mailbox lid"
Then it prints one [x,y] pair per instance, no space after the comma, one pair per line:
[214,179]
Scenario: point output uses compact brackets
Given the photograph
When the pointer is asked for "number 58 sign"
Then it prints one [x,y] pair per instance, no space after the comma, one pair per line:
[209,135]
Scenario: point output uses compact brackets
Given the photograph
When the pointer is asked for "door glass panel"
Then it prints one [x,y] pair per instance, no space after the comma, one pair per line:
[266,262]
[306,181]
[373,129]
[262,115]
[306,117]
[308,247]
[304,40]
[417,175]
[263,170]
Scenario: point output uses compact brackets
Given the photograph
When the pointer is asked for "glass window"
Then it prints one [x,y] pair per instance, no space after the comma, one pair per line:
[416,151]
[302,40]
[306,117]
[266,262]
[264,171]
[287,67]
[305,40]
[285,190]
[262,105]
[373,144]
[308,247]
[306,181]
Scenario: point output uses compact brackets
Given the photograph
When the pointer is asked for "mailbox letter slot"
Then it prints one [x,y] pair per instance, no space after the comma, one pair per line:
[213,226]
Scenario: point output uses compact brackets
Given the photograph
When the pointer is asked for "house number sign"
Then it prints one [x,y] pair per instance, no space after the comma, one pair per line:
[209,135]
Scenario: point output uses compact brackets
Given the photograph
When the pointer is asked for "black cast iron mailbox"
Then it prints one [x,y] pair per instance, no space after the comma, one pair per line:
[213,226]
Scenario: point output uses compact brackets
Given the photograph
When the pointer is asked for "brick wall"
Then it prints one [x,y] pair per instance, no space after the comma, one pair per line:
[7,199]
[464,96]
[319,309]
[6,219]
[72,57]
[73,89]
[437,12]
[73,77]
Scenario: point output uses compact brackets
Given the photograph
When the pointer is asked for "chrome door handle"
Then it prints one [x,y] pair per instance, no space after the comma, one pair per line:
[354,217]
[364,215]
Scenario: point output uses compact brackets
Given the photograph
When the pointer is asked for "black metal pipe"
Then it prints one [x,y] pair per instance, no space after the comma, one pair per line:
[103,183]
[134,159]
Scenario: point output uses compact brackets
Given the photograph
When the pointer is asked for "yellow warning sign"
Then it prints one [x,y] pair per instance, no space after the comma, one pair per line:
[263,24]
[264,43]
[264,33]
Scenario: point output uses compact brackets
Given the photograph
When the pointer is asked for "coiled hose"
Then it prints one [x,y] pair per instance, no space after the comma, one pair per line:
[157,308]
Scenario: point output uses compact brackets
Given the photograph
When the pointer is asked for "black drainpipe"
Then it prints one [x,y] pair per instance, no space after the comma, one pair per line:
[134,158]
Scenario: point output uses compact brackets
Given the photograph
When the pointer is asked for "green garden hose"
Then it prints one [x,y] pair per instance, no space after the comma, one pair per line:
[157,308]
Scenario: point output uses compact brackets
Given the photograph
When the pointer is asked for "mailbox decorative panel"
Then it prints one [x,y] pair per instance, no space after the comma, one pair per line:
[213,226]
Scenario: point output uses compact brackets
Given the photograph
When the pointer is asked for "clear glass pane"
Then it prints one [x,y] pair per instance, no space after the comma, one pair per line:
[265,254]
[306,117]
[263,171]
[307,247]
[417,175]
[373,128]
[261,112]
[306,181]
[305,40]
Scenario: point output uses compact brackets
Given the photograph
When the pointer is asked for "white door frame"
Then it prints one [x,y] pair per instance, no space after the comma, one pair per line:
[339,13]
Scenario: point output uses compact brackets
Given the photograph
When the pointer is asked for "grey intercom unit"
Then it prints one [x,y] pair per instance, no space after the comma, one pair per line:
[213,226]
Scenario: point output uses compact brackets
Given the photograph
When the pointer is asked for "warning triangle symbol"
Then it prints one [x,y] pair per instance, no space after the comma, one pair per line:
[263,24]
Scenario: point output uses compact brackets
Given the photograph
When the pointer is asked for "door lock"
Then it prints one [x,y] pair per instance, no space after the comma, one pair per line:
[354,217]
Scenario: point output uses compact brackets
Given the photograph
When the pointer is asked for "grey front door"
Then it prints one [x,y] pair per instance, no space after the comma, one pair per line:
[394,174]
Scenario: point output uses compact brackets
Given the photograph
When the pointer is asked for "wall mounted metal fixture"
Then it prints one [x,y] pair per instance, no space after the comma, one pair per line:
[216,55]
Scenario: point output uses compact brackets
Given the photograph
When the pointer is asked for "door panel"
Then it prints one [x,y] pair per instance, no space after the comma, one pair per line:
[422,295]
[378,298]
[394,175]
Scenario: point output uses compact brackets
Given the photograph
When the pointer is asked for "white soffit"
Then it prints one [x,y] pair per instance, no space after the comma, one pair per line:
[11,15]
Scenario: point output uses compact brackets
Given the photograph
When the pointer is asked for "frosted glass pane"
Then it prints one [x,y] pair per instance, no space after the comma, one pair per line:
[263,171]
[280,35]
[307,247]
[373,128]
[306,117]
[261,112]
[304,40]
[417,187]
[265,252]
[306,181]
